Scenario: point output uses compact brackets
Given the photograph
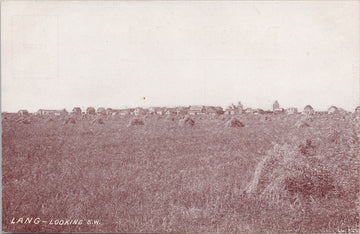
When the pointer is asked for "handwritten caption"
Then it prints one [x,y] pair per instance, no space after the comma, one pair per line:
[56,222]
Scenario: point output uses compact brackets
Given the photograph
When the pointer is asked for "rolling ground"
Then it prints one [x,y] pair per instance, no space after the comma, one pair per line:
[273,175]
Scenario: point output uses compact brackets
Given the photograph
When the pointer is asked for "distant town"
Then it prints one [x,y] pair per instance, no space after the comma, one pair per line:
[233,109]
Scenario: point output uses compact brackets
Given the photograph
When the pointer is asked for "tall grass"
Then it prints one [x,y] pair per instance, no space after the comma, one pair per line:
[161,177]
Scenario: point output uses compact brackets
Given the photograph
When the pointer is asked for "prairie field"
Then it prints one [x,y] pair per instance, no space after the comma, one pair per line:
[277,173]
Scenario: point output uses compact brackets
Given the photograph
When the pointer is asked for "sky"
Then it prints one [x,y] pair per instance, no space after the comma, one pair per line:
[62,54]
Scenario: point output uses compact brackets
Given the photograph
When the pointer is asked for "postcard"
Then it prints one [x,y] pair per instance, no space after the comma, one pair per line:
[180,116]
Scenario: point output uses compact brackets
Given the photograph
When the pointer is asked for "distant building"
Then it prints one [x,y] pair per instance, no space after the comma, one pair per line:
[182,110]
[123,112]
[45,112]
[170,111]
[333,110]
[230,111]
[240,107]
[308,110]
[357,110]
[62,112]
[276,106]
[156,111]
[139,111]
[291,110]
[249,111]
[109,111]
[320,112]
[342,111]
[197,110]
[101,111]
[259,111]
[23,112]
[90,111]
[76,111]
[278,110]
[214,110]
[211,111]
[234,109]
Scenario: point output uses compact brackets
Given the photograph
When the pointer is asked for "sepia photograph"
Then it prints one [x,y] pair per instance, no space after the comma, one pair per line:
[174,116]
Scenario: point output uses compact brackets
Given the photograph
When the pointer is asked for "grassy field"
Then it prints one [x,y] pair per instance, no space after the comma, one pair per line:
[272,175]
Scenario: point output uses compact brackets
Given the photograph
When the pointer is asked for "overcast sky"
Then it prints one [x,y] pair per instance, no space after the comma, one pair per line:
[167,53]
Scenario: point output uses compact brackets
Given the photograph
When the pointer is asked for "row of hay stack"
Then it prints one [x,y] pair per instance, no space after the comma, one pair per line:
[187,121]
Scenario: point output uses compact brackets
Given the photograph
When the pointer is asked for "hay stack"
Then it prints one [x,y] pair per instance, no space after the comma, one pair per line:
[171,118]
[284,174]
[135,122]
[265,119]
[26,121]
[222,117]
[234,123]
[187,121]
[302,124]
[70,121]
[98,121]
[307,119]
[23,121]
